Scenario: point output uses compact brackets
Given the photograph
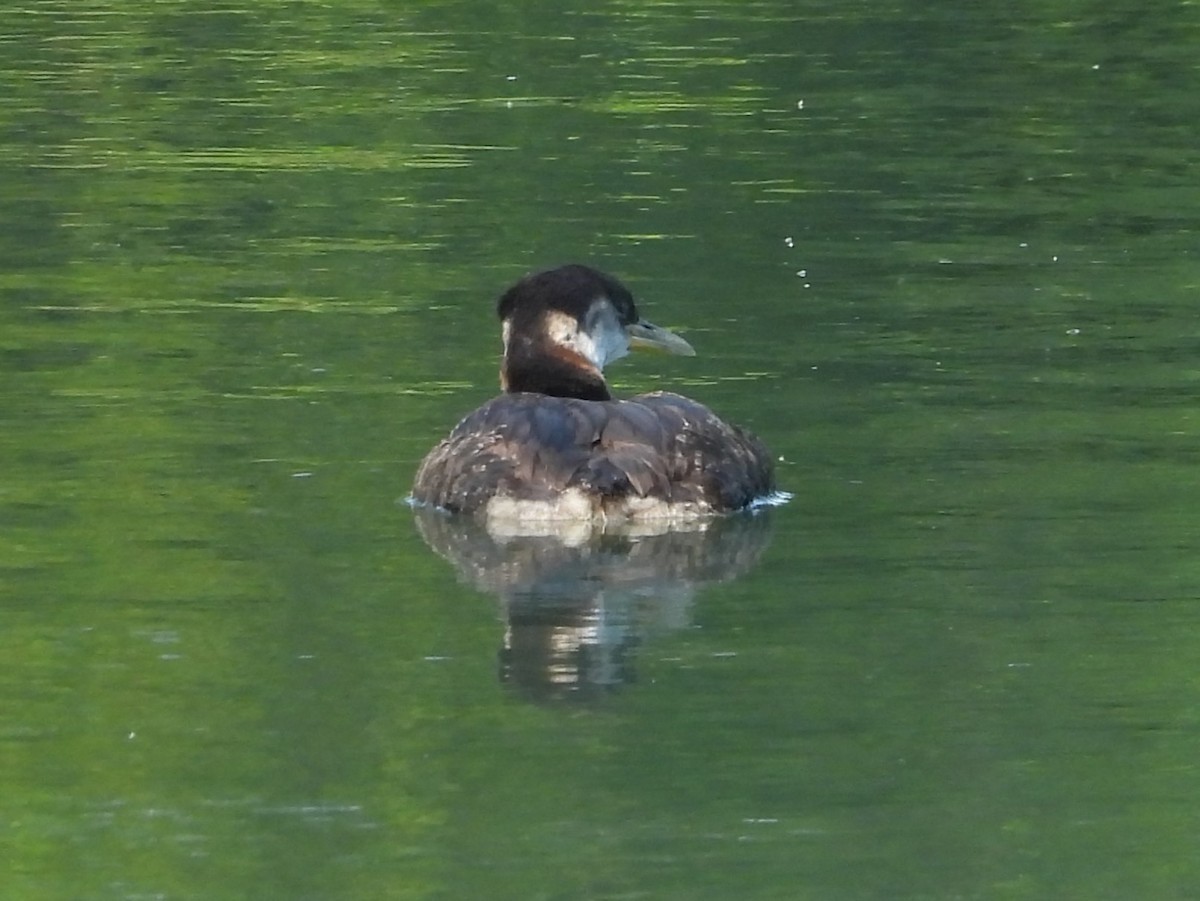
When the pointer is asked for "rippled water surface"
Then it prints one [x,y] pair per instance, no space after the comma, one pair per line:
[944,261]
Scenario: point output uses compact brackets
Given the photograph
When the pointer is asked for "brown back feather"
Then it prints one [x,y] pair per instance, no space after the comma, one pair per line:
[532,447]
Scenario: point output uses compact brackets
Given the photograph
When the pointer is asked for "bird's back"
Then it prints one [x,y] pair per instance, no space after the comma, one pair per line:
[532,455]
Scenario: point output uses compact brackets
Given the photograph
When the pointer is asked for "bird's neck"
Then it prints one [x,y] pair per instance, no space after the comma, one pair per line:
[553,370]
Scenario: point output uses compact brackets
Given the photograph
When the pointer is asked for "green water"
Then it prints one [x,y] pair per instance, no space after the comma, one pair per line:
[944,260]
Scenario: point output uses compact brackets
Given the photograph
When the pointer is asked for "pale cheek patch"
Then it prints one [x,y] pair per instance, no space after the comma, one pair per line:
[564,331]
[561,328]
[608,344]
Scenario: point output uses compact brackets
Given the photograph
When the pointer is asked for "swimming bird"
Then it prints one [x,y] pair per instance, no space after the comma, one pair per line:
[556,445]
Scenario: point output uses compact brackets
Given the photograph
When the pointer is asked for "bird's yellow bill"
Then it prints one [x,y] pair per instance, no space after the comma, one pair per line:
[648,336]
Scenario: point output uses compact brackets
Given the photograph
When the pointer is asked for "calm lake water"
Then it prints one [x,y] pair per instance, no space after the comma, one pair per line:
[944,261]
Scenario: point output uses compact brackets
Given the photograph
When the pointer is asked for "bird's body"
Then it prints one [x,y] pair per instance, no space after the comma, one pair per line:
[557,446]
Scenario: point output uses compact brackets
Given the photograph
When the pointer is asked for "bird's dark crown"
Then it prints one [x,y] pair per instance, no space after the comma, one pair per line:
[569,289]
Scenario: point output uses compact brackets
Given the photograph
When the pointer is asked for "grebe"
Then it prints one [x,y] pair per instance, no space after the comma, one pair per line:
[557,445]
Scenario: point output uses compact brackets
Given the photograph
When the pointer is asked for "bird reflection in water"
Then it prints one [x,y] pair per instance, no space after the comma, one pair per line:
[577,604]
